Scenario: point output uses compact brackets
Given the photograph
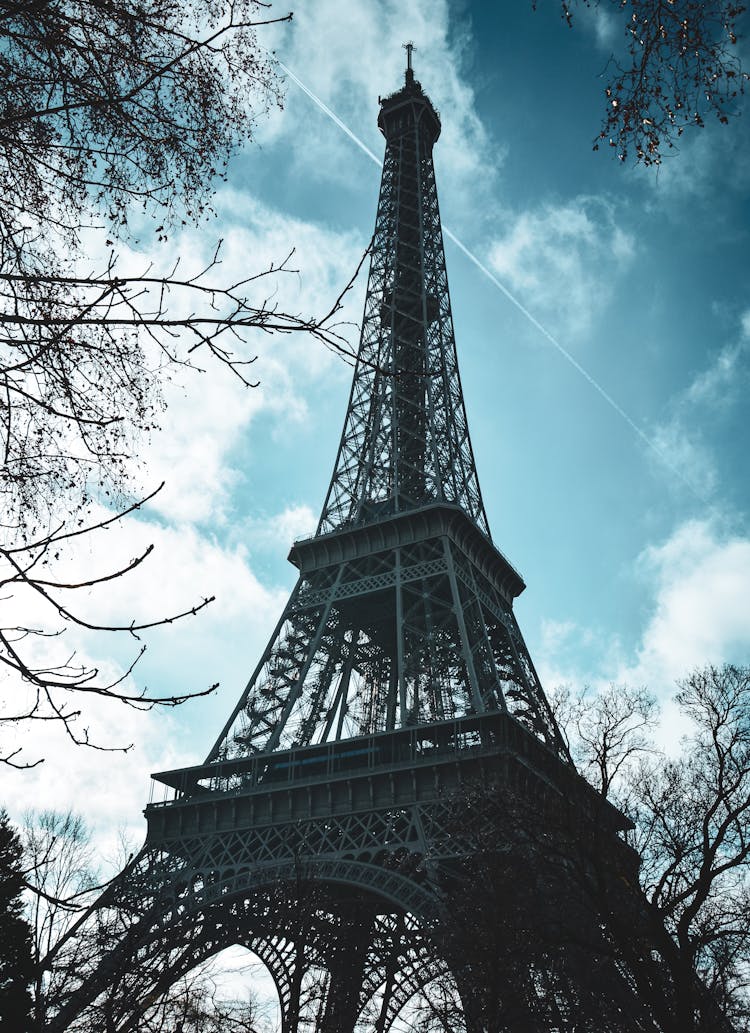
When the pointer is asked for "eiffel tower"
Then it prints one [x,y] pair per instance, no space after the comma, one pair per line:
[325,829]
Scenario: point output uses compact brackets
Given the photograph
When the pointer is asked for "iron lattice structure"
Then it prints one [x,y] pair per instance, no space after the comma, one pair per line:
[403,610]
[336,816]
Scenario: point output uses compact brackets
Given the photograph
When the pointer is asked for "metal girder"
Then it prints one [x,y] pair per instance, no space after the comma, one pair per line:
[419,619]
[405,440]
[236,861]
[402,961]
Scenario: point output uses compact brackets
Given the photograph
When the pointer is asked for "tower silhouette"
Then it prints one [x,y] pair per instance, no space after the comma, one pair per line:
[333,824]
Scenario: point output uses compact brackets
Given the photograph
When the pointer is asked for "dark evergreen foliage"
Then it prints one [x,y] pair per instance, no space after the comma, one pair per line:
[16,962]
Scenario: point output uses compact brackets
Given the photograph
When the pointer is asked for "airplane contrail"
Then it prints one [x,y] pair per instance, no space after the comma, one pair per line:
[510,296]
[335,118]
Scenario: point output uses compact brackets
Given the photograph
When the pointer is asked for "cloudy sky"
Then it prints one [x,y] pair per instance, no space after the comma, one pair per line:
[625,508]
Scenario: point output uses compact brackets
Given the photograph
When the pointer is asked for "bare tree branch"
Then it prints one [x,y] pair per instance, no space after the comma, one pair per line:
[677,64]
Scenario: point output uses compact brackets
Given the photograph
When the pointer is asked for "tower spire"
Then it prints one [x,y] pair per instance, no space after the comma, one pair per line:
[409,48]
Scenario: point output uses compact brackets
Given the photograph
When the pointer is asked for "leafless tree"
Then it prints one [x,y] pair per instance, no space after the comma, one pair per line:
[693,822]
[692,817]
[677,63]
[110,108]
[550,926]
[113,112]
[608,731]
[193,1005]
[62,878]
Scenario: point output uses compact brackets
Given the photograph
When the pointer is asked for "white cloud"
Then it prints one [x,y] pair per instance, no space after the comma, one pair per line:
[728,373]
[569,653]
[277,532]
[555,634]
[606,28]
[221,644]
[605,25]
[701,583]
[349,54]
[564,260]
[697,583]
[208,415]
[684,449]
[712,392]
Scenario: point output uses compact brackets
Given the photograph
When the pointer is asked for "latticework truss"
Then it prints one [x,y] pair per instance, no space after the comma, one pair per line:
[420,631]
[406,438]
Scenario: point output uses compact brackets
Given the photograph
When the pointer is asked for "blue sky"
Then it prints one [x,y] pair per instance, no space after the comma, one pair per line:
[637,558]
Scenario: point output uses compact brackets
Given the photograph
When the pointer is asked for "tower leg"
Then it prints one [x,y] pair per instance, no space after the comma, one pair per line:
[346,967]
[489,1006]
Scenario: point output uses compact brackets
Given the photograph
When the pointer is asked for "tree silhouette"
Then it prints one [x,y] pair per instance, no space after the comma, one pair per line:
[124,113]
[692,822]
[16,961]
[676,65]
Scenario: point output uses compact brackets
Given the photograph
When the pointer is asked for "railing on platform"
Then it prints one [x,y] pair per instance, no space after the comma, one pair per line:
[408,747]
